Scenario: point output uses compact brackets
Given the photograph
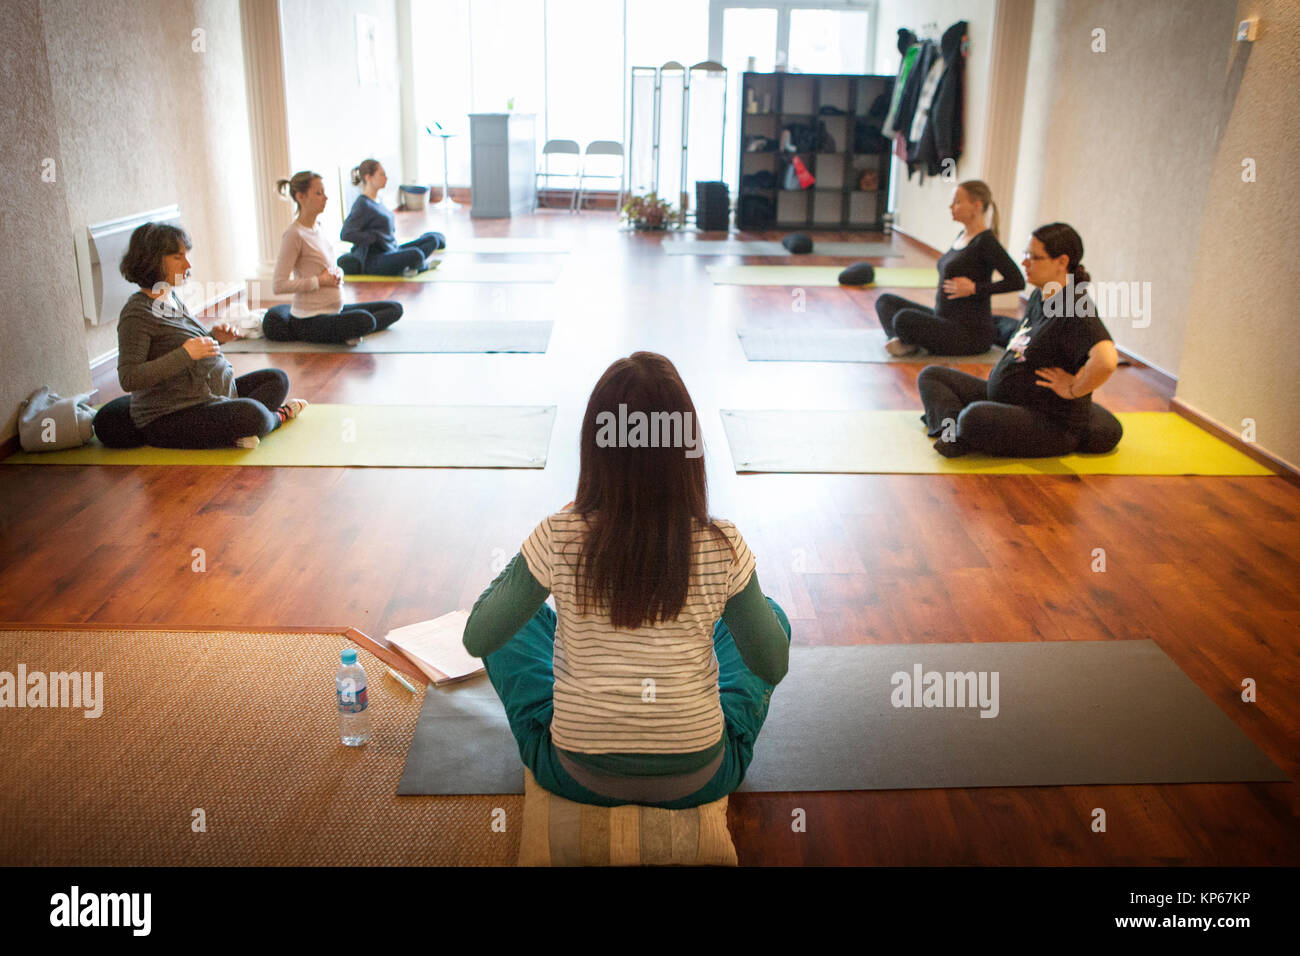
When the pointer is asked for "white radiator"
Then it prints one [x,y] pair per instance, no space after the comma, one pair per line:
[100,248]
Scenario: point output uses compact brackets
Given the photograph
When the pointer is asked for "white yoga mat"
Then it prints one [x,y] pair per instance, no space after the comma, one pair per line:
[757,247]
[838,345]
[503,245]
[419,335]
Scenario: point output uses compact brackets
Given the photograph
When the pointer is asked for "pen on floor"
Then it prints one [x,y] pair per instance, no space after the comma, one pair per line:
[400,679]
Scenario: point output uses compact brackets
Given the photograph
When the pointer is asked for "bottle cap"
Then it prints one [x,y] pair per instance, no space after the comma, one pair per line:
[348,657]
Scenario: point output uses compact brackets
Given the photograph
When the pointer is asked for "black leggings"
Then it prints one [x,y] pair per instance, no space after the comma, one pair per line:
[994,428]
[409,255]
[218,424]
[914,324]
[353,322]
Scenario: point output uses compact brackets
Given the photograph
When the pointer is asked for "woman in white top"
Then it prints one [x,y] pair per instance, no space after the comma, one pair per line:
[306,268]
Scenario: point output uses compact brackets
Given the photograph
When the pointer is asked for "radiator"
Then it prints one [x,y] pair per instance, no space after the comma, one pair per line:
[99,249]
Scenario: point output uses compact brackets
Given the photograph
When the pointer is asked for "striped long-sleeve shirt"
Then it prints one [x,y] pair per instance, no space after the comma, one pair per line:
[600,670]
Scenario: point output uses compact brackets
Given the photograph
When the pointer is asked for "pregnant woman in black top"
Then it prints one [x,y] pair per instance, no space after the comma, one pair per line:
[961,322]
[1037,401]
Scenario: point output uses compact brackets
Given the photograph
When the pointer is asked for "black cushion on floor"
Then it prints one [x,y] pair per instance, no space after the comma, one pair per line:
[1104,432]
[800,243]
[860,273]
[113,425]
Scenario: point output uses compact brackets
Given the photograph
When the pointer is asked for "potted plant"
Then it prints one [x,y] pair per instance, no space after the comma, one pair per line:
[648,212]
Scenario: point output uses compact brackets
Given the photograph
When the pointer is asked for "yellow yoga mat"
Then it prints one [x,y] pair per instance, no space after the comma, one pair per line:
[458,270]
[886,276]
[891,442]
[380,436]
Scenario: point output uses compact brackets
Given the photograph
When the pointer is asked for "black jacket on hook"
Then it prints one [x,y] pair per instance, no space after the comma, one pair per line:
[941,137]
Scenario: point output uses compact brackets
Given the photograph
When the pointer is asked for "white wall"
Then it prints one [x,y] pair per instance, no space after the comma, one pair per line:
[921,209]
[41,339]
[335,121]
[145,119]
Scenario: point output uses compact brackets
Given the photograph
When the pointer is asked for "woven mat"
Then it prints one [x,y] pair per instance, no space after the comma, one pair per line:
[242,725]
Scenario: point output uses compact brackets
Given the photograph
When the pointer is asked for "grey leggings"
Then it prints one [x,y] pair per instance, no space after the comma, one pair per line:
[994,428]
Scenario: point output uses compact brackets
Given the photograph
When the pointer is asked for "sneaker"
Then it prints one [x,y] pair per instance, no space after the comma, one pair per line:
[250,441]
[898,349]
[293,408]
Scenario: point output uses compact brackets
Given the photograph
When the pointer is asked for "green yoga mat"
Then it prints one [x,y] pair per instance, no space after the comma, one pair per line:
[886,276]
[1068,713]
[380,436]
[739,247]
[458,270]
[890,442]
[838,345]
[418,335]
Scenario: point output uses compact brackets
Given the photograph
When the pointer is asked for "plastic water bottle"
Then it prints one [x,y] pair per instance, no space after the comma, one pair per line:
[350,687]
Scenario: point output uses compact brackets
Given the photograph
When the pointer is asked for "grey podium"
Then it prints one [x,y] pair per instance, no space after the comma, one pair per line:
[502,164]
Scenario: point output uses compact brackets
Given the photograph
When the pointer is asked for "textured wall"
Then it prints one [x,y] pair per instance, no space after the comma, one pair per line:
[40,327]
[1126,155]
[921,210]
[1239,360]
[145,120]
[334,121]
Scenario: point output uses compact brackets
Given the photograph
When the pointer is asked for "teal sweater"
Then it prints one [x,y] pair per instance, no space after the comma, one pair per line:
[514,597]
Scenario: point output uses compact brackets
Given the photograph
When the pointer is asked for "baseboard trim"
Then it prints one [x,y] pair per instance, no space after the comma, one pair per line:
[1285,469]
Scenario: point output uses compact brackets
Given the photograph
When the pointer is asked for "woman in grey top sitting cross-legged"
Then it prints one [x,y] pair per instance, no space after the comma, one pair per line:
[184,394]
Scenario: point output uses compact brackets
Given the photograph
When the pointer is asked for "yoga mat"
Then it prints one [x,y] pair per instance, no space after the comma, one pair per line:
[462,271]
[1068,713]
[417,335]
[886,276]
[837,345]
[504,245]
[380,436]
[890,442]
[739,247]
[242,724]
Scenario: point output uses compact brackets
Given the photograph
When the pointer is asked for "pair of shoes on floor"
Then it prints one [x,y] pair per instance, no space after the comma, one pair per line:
[898,349]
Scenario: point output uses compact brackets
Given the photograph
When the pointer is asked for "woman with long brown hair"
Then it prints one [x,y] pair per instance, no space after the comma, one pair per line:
[650,681]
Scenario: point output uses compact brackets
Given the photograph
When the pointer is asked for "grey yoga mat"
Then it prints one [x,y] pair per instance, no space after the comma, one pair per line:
[837,345]
[740,247]
[417,335]
[1067,713]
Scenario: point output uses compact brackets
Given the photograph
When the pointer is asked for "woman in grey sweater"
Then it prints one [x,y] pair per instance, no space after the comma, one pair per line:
[184,394]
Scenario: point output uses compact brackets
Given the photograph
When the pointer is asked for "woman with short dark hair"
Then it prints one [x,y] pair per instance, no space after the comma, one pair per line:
[1037,401]
[651,680]
[372,229]
[183,392]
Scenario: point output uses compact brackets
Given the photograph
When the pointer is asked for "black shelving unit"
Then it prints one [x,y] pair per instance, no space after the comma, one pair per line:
[834,201]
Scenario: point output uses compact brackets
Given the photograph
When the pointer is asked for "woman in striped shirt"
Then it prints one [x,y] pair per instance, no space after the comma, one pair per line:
[650,681]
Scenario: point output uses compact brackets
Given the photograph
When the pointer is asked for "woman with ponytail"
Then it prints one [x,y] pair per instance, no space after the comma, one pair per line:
[371,228]
[1037,401]
[961,322]
[306,268]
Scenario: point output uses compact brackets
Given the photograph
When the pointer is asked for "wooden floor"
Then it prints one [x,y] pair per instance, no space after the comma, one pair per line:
[1209,568]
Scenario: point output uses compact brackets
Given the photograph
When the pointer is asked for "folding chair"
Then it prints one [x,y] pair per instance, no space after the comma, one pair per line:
[559,147]
[602,147]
